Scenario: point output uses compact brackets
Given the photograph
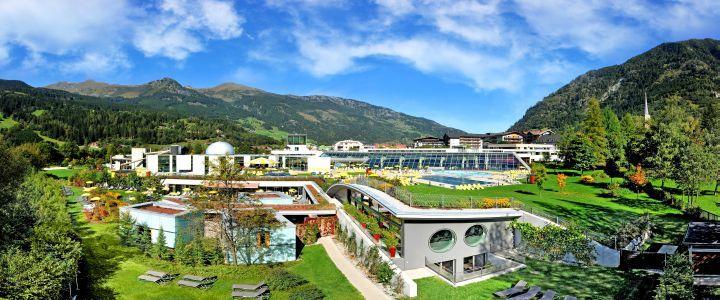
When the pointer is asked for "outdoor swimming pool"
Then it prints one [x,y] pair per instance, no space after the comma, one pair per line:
[463,174]
[451,180]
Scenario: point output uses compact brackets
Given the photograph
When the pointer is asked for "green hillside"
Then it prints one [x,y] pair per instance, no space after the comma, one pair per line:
[690,69]
[325,119]
[60,116]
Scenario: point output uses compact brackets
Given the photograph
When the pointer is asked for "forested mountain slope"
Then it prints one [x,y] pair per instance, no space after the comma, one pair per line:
[690,69]
[84,119]
[325,119]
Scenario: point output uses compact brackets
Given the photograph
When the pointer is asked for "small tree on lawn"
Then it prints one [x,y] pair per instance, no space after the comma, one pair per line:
[160,250]
[142,239]
[562,181]
[126,229]
[540,173]
[638,179]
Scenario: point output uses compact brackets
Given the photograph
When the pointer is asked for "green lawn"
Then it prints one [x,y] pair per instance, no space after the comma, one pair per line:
[112,269]
[581,282]
[706,200]
[63,173]
[584,204]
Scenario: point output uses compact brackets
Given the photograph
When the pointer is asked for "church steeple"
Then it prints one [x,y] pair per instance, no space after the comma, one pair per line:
[647,111]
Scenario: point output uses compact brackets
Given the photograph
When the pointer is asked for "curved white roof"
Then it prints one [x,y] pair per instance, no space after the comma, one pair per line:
[404,211]
[220,148]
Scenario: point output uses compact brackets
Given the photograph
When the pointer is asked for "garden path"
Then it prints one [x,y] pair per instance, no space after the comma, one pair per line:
[356,277]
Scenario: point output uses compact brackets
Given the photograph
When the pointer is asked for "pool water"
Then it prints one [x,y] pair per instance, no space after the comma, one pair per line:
[459,173]
[453,180]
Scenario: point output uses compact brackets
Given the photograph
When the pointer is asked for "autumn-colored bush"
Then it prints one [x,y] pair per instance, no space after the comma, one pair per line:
[495,203]
[587,179]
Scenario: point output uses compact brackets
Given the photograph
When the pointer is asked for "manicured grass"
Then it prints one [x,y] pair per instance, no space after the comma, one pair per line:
[112,269]
[706,200]
[63,173]
[317,268]
[581,282]
[583,204]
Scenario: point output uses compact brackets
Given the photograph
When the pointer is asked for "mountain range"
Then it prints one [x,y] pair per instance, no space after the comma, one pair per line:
[690,69]
[324,119]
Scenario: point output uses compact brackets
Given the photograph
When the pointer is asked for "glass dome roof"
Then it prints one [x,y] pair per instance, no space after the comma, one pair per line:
[220,148]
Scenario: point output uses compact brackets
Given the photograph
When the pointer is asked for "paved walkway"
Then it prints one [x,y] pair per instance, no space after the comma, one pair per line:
[356,277]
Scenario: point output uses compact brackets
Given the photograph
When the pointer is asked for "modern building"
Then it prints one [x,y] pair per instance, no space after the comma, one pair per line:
[348,145]
[428,142]
[458,244]
[421,158]
[175,218]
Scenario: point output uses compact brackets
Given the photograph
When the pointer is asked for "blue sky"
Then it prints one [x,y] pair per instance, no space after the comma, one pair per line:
[473,65]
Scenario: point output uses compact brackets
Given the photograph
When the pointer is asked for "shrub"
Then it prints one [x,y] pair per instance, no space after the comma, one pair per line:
[283,280]
[384,273]
[307,292]
[587,179]
[614,189]
[496,203]
[311,233]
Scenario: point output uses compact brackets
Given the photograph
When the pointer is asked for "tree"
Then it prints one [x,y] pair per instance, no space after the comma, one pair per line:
[160,249]
[693,168]
[126,229]
[616,144]
[676,282]
[593,127]
[633,130]
[540,173]
[670,132]
[562,181]
[576,151]
[244,225]
[638,179]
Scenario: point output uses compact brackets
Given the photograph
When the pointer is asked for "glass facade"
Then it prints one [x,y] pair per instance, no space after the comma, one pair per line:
[484,161]
[297,139]
[163,163]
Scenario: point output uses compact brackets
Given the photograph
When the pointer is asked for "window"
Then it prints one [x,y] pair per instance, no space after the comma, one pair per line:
[263,239]
[442,241]
[474,235]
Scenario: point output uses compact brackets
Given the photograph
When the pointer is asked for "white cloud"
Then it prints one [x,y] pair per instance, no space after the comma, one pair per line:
[94,63]
[88,36]
[428,55]
[179,28]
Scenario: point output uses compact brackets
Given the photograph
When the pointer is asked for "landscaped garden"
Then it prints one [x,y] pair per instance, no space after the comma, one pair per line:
[589,205]
[112,270]
[581,282]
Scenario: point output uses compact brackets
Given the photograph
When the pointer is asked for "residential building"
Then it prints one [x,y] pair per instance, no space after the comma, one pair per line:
[428,142]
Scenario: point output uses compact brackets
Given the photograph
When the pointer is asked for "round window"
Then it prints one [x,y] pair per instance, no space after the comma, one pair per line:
[442,241]
[474,235]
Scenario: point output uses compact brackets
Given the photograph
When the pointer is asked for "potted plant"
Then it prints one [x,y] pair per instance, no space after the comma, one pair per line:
[363,219]
[374,228]
[391,241]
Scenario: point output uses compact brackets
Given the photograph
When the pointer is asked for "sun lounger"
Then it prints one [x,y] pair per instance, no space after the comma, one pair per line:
[249,294]
[248,287]
[157,277]
[548,295]
[569,298]
[518,288]
[197,281]
[531,293]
